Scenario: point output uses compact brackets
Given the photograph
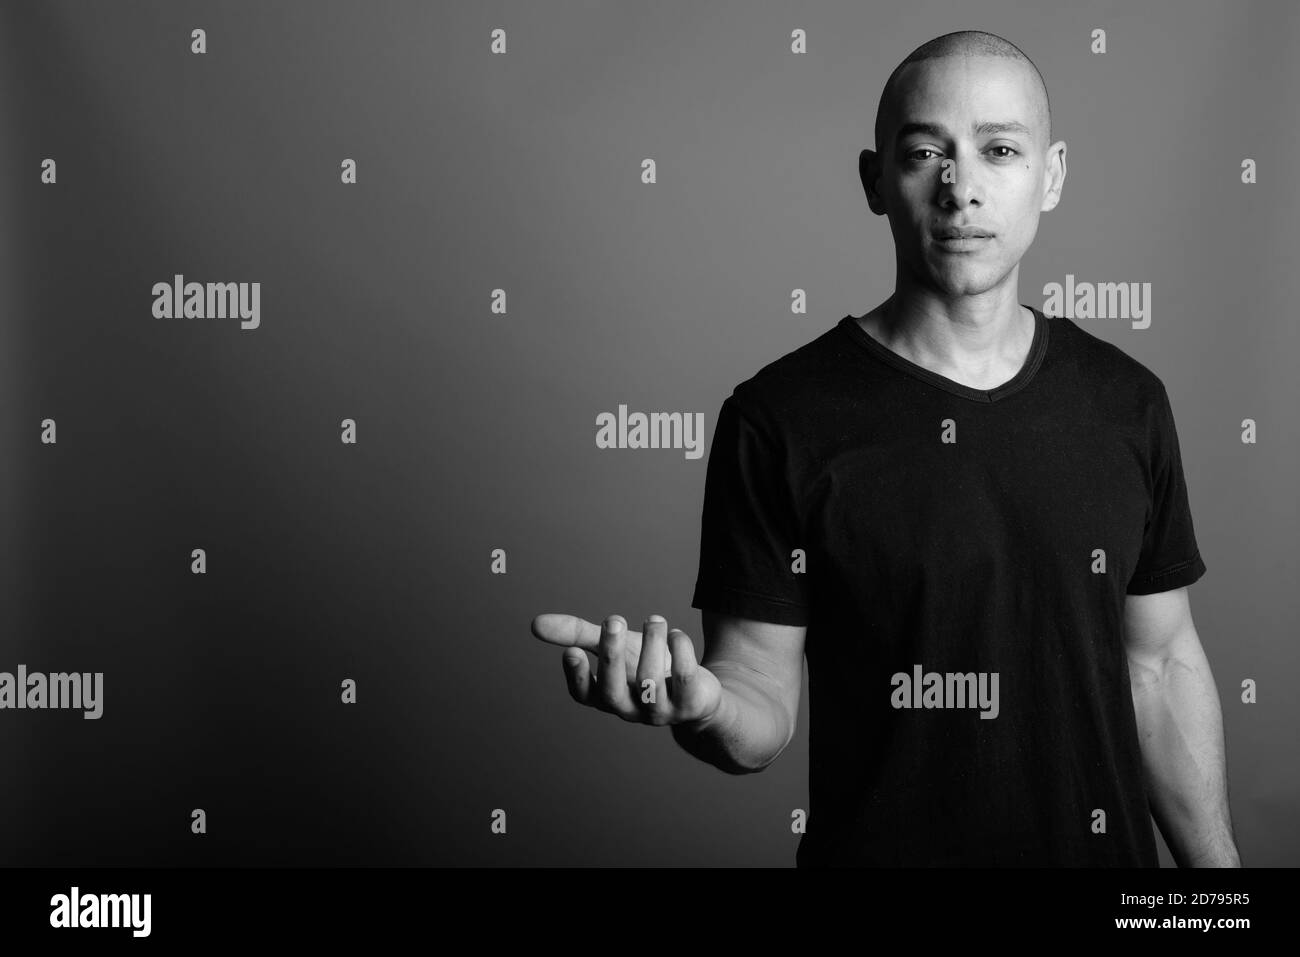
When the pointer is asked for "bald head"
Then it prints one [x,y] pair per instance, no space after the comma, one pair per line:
[964,43]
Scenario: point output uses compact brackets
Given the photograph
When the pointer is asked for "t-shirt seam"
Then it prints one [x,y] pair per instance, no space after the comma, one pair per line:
[707,585]
[780,449]
[1035,360]
[1171,569]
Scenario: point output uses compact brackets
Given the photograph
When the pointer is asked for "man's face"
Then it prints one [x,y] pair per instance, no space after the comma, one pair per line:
[995,180]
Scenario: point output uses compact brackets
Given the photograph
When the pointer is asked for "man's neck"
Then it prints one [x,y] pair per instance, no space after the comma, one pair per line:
[980,345]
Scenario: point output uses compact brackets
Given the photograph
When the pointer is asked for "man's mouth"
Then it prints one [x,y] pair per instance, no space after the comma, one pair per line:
[962,232]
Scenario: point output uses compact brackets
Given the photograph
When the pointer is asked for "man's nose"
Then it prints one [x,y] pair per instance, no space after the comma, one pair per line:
[958,184]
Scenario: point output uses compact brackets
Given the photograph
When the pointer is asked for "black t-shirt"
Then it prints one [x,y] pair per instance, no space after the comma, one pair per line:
[960,558]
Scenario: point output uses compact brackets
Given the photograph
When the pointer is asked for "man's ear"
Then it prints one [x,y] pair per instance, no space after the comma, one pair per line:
[1055,178]
[869,172]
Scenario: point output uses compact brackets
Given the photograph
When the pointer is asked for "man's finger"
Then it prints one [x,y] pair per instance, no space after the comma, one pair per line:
[654,649]
[683,665]
[577,674]
[611,682]
[568,630]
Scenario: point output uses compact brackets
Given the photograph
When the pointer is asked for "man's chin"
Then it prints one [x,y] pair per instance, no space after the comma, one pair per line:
[958,287]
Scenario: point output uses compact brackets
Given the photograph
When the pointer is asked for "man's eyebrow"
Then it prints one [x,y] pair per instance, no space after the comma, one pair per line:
[981,129]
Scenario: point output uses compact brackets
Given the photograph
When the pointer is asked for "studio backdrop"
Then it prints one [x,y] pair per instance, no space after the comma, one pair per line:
[301,541]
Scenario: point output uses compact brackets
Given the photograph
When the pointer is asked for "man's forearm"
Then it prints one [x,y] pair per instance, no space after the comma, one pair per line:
[747,732]
[1180,728]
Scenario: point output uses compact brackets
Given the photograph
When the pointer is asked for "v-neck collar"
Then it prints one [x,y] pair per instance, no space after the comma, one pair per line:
[1037,350]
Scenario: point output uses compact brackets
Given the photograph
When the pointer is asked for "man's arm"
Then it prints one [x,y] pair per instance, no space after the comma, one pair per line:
[760,668]
[1180,728]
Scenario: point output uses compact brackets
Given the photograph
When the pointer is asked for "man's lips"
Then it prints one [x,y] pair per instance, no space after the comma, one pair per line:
[962,232]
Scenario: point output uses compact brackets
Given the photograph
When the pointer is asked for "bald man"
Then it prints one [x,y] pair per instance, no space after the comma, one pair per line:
[973,521]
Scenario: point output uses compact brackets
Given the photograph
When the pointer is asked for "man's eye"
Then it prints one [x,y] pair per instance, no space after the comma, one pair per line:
[1007,148]
[912,155]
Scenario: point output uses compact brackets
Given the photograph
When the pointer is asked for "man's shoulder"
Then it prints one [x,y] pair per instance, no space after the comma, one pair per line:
[793,386]
[1103,367]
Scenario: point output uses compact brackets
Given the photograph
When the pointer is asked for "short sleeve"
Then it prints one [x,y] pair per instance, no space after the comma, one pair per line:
[749,529]
[1170,557]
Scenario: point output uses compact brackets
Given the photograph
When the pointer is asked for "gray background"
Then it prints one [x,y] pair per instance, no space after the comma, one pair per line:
[476,431]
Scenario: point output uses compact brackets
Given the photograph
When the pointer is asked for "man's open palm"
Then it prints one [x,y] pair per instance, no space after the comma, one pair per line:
[649,677]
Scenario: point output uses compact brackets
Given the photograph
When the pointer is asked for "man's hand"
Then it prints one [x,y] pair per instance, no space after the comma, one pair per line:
[650,677]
